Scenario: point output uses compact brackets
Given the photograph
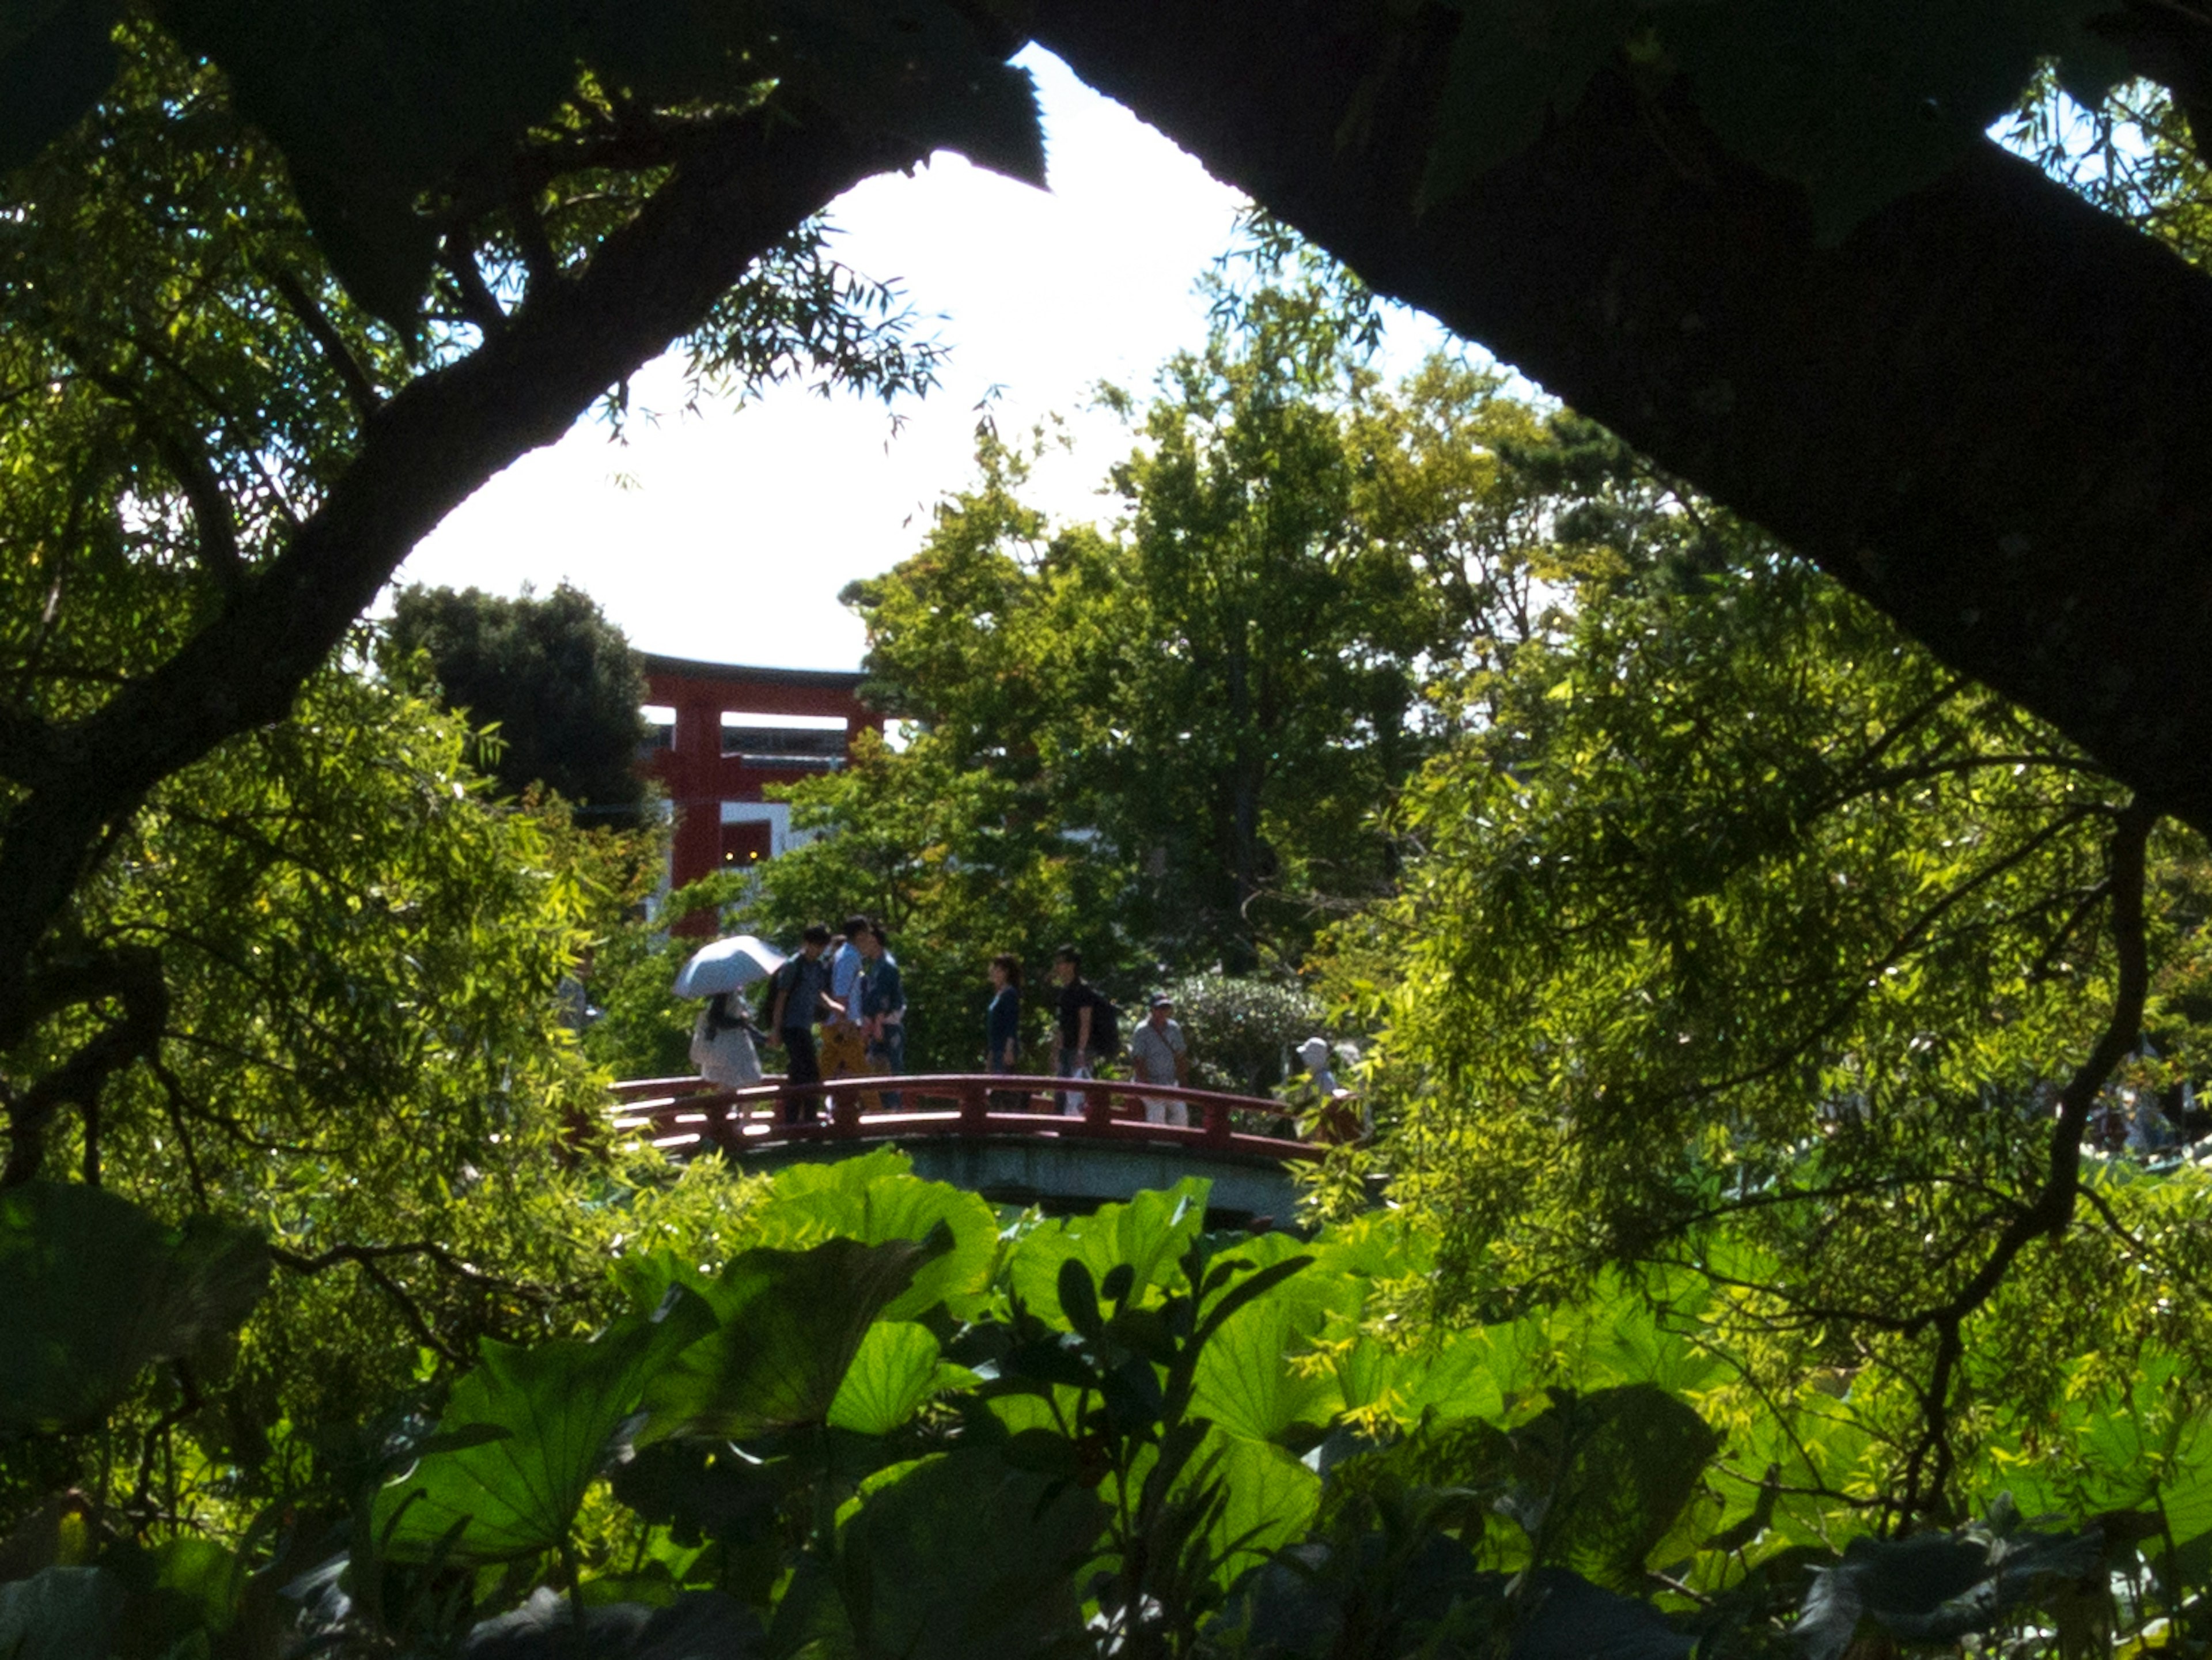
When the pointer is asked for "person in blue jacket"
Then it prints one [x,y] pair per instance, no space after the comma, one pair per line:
[882,997]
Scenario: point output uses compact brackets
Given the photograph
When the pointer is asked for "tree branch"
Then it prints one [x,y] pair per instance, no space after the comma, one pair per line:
[157,1433]
[538,257]
[132,975]
[214,525]
[467,1272]
[479,304]
[360,391]
[172,1094]
[1928,1470]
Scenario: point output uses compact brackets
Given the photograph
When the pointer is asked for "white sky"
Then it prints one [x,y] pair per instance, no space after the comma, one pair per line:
[727,535]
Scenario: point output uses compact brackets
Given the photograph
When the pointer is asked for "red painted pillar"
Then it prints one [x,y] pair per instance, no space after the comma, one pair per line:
[693,777]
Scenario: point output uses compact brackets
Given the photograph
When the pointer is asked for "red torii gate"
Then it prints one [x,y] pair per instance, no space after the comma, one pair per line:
[710,757]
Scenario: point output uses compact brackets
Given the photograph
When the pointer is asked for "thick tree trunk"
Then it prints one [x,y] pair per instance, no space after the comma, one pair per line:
[1986,411]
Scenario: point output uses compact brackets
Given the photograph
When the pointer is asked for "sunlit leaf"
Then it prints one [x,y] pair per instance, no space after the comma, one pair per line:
[545,1415]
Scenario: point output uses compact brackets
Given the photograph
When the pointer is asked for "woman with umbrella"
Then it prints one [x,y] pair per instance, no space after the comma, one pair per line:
[722,1038]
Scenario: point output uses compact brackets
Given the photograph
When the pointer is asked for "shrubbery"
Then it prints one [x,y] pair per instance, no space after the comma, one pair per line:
[862,1414]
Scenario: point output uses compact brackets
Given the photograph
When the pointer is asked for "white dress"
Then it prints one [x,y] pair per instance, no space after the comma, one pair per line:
[726,1057]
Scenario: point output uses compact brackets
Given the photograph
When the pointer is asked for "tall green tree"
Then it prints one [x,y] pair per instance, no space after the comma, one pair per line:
[1754,944]
[1260,697]
[1221,691]
[559,681]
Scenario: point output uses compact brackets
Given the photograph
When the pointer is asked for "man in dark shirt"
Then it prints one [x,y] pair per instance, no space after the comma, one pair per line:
[1074,1057]
[801,995]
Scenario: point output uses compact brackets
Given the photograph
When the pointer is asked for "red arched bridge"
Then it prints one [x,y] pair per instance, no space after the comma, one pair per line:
[1004,1137]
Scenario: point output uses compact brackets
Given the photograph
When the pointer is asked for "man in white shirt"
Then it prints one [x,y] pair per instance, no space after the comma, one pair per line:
[1158,1054]
[844,1044]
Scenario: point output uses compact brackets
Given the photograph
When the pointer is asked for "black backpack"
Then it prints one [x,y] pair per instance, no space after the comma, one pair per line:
[1105,1026]
[764,1017]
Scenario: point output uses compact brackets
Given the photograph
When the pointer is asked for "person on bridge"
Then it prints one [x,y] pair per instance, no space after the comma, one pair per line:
[1326,1112]
[1002,1026]
[801,995]
[1159,1055]
[722,1043]
[1076,1055]
[882,997]
[844,1040]
[1002,1021]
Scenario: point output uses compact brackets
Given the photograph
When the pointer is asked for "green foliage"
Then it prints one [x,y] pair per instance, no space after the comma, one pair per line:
[1137,1438]
[523,1436]
[557,680]
[360,1060]
[200,872]
[789,1325]
[1168,743]
[998,1582]
[1750,944]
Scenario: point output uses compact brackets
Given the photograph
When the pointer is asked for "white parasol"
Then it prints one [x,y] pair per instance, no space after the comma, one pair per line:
[726,965]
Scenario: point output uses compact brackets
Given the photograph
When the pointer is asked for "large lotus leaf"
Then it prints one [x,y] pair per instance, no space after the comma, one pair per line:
[1935,1587]
[1245,1382]
[790,1324]
[1435,1601]
[523,1436]
[57,57]
[704,1489]
[1270,1498]
[1290,1605]
[961,1557]
[898,1368]
[2147,1448]
[1453,1379]
[877,1198]
[61,1614]
[93,1290]
[1429,1600]
[1150,1234]
[183,1585]
[695,1626]
[1600,1479]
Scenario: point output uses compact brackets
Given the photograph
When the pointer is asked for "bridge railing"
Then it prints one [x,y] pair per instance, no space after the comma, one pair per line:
[675,1113]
